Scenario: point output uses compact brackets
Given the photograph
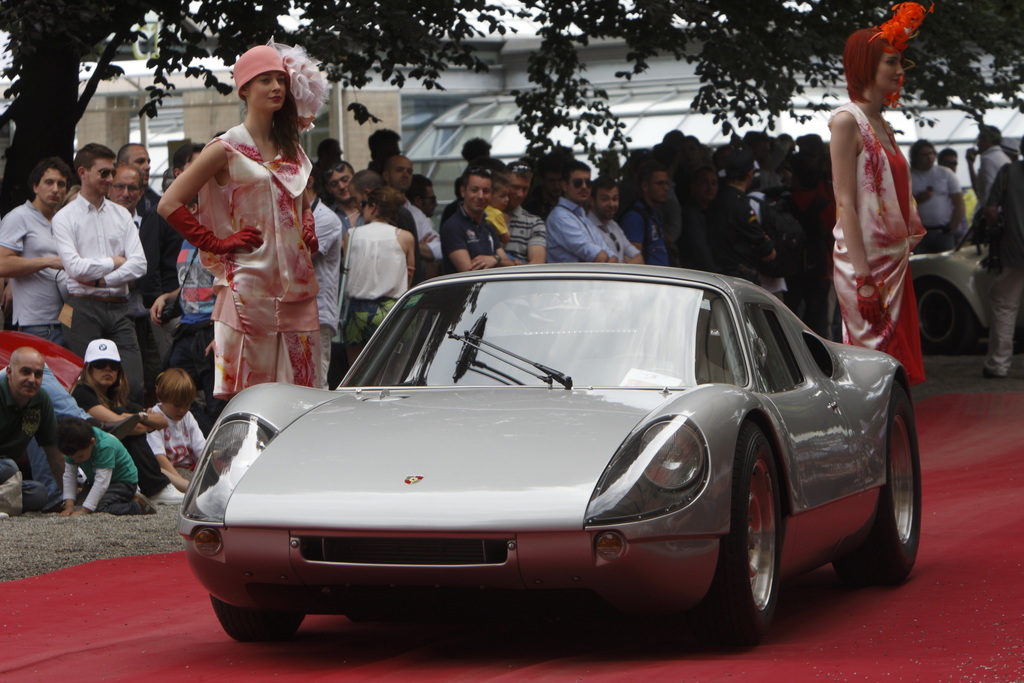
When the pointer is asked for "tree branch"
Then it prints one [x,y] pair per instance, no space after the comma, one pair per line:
[119,39]
[8,114]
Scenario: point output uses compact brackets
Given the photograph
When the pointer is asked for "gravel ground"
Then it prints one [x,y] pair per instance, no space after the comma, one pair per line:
[35,543]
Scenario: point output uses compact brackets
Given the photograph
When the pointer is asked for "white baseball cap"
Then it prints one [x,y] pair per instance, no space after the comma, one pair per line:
[102,349]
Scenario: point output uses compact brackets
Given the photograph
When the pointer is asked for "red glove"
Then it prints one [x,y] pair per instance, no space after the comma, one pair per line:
[309,232]
[869,301]
[246,239]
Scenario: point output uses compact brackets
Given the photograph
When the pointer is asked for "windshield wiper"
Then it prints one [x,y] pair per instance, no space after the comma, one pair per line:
[474,341]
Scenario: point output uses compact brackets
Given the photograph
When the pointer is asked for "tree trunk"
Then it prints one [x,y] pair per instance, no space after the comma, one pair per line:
[45,115]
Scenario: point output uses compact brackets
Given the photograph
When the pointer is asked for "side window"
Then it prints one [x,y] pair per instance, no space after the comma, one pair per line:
[718,356]
[773,357]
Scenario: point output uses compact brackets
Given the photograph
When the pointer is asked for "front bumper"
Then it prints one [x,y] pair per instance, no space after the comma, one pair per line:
[282,569]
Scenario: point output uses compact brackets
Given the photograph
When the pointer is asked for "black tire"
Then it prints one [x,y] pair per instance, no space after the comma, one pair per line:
[948,325]
[888,554]
[740,605]
[248,625]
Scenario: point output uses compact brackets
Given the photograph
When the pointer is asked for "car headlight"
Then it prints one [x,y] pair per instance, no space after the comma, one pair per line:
[660,468]
[231,450]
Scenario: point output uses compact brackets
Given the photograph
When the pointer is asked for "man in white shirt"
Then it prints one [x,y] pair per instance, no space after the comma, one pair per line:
[606,205]
[327,265]
[940,201]
[98,243]
[398,174]
[421,195]
[28,253]
[993,158]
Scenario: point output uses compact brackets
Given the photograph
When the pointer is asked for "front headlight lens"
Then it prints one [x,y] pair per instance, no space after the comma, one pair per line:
[679,457]
[231,450]
[660,468]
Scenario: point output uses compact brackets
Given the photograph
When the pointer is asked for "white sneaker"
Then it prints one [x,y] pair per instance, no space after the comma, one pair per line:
[4,515]
[167,496]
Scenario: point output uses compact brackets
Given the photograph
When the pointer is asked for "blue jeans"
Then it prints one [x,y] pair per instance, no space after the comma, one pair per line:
[54,333]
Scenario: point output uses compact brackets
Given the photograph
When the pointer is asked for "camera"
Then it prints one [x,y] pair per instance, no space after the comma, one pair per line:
[171,311]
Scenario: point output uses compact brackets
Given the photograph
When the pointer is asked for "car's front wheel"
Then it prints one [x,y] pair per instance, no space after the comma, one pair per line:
[740,604]
[247,625]
[889,553]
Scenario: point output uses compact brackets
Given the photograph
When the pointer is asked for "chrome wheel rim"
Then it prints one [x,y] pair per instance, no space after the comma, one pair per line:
[901,478]
[761,535]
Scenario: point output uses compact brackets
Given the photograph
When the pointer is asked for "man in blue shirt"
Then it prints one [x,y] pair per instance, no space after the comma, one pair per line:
[571,237]
[468,241]
[641,223]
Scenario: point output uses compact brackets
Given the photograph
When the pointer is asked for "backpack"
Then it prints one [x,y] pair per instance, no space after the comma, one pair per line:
[787,233]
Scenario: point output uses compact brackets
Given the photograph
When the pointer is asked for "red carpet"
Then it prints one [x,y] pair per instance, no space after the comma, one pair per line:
[958,618]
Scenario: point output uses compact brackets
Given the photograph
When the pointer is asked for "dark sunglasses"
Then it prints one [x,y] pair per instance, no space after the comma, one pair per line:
[106,172]
[479,171]
[365,203]
[520,168]
[105,365]
[580,182]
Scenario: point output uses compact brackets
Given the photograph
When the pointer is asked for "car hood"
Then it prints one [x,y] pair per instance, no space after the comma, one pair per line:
[456,459]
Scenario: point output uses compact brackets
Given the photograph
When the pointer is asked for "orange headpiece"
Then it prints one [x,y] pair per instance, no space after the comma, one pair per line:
[903,26]
[897,31]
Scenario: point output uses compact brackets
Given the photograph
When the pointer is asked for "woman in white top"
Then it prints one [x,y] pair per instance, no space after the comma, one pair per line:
[380,266]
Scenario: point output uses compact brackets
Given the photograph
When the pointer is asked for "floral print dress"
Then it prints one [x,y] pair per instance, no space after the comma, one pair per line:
[891,228]
[265,315]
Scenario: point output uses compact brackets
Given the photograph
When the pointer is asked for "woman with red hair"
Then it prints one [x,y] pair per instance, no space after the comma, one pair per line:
[878,224]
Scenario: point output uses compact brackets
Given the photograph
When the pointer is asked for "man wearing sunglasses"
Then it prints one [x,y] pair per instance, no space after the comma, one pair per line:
[571,237]
[98,243]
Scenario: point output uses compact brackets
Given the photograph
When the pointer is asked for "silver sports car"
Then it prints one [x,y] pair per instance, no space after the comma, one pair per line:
[630,438]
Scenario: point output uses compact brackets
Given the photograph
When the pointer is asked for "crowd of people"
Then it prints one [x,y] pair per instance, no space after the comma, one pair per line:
[255,264]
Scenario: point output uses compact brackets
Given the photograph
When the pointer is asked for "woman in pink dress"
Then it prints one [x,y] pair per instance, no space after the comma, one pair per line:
[255,230]
[878,224]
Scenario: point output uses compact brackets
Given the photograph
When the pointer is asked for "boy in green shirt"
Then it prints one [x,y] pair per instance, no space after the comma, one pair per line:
[111,478]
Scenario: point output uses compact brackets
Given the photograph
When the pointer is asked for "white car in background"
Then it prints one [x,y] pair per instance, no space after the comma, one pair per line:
[952,299]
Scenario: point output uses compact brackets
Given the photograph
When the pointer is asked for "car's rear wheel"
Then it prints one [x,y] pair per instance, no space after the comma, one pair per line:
[740,604]
[948,325]
[247,625]
[889,553]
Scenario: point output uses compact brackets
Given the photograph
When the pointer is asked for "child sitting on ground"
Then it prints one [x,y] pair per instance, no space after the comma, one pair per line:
[111,480]
[178,447]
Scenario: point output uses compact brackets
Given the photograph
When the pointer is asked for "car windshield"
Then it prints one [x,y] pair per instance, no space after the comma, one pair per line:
[532,331]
